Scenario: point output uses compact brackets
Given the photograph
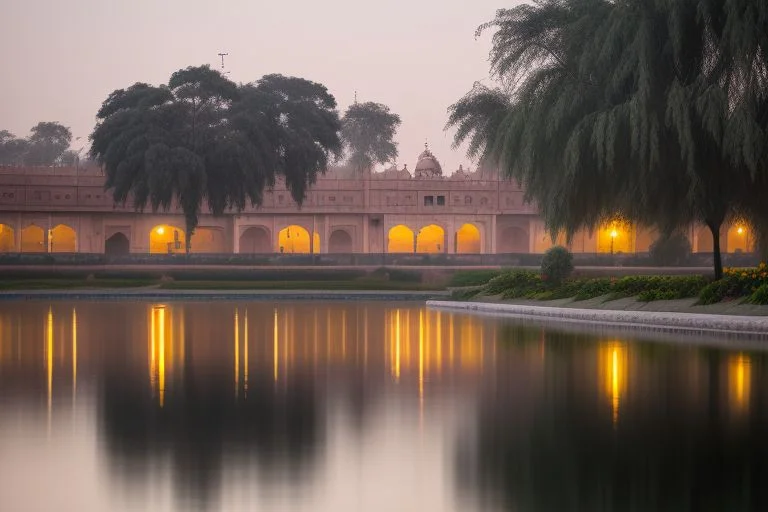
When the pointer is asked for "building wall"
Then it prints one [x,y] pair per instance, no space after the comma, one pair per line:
[54,209]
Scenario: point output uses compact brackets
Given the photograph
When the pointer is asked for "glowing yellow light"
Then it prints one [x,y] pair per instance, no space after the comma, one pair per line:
[161,358]
[397,345]
[49,358]
[614,234]
[740,370]
[275,335]
[160,230]
[615,384]
[74,351]
[421,355]
[740,230]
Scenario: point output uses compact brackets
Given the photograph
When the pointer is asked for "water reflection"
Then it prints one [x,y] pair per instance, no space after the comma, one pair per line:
[366,407]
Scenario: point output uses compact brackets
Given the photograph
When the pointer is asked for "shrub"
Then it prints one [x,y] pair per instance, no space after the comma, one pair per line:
[760,295]
[671,249]
[512,279]
[592,288]
[557,265]
[648,288]
[713,292]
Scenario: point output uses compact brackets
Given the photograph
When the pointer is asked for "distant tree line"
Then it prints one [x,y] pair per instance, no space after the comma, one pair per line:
[651,111]
[47,144]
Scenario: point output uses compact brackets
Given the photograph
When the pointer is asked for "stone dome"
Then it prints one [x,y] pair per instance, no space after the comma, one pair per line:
[427,165]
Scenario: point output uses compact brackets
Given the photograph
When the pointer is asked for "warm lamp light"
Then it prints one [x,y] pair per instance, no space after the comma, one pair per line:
[740,230]
[160,230]
[614,234]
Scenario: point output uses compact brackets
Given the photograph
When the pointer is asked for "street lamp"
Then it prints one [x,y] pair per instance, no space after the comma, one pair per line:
[614,234]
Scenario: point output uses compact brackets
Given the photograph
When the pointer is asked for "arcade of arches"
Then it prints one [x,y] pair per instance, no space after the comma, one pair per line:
[468,238]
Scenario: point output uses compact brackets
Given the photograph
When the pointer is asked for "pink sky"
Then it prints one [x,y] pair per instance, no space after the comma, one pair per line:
[61,59]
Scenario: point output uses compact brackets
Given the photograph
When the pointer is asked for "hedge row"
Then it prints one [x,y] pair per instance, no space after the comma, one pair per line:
[750,285]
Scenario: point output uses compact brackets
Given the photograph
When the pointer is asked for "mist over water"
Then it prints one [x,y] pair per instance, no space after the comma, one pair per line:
[365,406]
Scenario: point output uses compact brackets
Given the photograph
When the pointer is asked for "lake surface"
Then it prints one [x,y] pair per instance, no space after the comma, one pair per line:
[366,407]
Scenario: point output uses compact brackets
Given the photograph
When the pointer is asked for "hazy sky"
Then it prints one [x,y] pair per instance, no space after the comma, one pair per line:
[60,59]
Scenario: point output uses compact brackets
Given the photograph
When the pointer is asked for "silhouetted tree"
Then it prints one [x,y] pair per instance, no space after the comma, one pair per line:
[47,142]
[202,138]
[614,108]
[368,130]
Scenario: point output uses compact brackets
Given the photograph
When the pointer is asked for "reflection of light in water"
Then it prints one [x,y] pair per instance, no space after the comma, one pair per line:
[245,350]
[49,362]
[274,342]
[739,370]
[161,339]
[614,369]
[397,344]
[74,352]
[161,359]
[615,384]
[421,353]
[237,353]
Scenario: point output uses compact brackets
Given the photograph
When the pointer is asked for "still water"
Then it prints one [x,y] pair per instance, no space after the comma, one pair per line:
[365,407]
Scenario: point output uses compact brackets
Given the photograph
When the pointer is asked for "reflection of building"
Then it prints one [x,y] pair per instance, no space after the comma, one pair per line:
[394,211]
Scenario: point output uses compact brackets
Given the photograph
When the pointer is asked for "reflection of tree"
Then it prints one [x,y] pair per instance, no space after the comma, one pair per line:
[203,422]
[674,447]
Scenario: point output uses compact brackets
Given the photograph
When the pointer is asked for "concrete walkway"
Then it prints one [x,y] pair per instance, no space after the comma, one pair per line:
[752,326]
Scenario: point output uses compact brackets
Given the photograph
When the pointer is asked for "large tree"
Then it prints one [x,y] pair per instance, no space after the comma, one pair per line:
[47,143]
[12,149]
[368,130]
[204,139]
[611,108]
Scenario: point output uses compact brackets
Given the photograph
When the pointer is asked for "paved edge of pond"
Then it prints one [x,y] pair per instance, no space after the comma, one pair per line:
[658,321]
[227,295]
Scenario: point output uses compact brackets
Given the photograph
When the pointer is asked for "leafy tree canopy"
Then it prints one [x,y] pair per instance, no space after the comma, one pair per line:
[368,130]
[47,145]
[202,139]
[623,108]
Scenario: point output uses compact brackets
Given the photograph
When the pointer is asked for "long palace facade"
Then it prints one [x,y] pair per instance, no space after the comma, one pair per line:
[67,210]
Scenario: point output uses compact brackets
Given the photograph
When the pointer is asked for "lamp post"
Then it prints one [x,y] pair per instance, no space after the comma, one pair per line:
[614,234]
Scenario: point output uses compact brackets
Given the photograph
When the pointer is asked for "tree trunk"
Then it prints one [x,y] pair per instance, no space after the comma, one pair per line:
[714,227]
[188,238]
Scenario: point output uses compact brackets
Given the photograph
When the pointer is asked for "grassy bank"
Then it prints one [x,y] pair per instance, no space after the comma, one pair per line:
[237,279]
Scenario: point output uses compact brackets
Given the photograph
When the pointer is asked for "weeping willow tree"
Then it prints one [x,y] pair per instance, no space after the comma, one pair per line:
[609,108]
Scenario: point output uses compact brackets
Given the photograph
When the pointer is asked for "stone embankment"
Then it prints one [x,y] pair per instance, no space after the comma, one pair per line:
[655,321]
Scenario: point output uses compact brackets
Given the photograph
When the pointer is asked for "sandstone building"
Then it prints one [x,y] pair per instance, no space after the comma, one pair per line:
[395,211]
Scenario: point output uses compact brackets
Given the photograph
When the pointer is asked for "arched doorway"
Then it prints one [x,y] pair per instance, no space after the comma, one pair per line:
[7,241]
[207,240]
[117,245]
[468,239]
[33,239]
[340,242]
[400,239]
[166,239]
[294,239]
[513,239]
[431,239]
[63,239]
[255,240]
